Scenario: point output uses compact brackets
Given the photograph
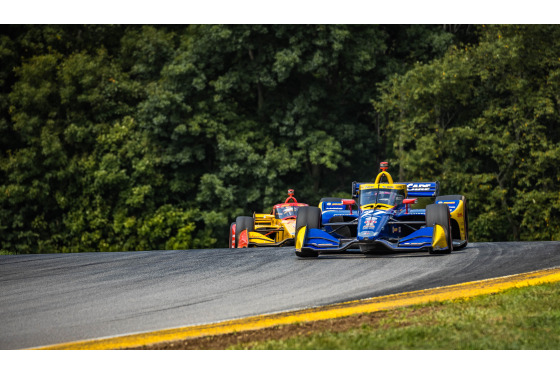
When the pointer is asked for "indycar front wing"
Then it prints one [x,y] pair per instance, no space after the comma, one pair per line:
[318,240]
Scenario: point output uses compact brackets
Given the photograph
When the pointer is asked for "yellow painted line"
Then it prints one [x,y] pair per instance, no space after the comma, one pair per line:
[458,291]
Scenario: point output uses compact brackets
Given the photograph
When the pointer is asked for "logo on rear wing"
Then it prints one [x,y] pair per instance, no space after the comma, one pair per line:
[421,189]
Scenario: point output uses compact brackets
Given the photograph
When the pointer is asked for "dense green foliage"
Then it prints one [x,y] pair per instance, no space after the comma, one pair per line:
[484,120]
[519,318]
[157,137]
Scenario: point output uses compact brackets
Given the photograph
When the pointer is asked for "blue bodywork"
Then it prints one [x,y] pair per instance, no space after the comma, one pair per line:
[383,227]
[396,228]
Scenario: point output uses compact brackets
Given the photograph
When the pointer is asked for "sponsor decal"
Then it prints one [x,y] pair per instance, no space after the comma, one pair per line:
[419,186]
[452,205]
[290,227]
[375,186]
[333,206]
[367,186]
[370,222]
[367,233]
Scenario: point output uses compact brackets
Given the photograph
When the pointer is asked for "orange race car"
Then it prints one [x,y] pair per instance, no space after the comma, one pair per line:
[266,230]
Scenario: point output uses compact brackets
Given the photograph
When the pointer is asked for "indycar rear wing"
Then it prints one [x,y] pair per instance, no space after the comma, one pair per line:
[414,189]
[421,189]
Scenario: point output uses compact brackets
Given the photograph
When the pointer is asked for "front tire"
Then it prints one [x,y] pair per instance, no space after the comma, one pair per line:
[309,216]
[438,214]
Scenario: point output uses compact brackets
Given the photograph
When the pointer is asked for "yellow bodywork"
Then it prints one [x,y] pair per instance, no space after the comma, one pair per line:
[270,230]
[439,239]
[371,186]
[384,174]
[459,215]
[376,185]
[300,237]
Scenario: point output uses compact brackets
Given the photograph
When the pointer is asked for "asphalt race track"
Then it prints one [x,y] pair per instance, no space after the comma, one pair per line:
[48,299]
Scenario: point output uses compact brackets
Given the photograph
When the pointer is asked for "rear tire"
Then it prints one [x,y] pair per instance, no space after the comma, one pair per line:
[438,214]
[309,216]
[457,235]
[331,199]
[243,223]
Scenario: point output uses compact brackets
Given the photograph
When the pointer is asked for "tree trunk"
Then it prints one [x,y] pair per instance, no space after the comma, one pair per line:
[260,97]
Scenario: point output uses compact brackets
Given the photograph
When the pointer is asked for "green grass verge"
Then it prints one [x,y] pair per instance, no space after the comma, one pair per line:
[4,252]
[524,318]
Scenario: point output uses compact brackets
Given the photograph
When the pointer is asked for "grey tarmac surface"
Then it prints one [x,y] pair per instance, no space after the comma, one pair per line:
[56,298]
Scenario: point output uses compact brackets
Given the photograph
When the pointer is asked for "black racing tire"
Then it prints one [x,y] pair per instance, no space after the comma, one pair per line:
[243,223]
[230,238]
[309,216]
[439,214]
[457,235]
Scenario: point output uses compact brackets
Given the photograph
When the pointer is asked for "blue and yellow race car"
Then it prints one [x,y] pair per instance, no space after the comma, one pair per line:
[380,216]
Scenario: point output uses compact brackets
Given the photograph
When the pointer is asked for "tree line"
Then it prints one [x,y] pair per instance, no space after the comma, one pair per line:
[156,137]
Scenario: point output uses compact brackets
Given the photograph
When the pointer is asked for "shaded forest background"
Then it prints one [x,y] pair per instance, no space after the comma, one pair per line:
[120,138]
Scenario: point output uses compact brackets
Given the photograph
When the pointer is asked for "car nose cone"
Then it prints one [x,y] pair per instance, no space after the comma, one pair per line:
[370,224]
